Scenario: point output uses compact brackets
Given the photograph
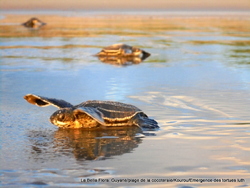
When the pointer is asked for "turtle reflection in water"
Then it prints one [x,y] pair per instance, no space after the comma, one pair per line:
[122,54]
[34,23]
[85,144]
[92,114]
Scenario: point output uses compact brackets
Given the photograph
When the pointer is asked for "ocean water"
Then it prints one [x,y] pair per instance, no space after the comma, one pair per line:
[195,84]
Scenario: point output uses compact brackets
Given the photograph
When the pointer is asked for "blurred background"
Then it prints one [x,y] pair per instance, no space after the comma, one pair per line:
[127,4]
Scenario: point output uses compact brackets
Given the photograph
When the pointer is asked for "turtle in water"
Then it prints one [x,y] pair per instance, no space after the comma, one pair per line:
[33,23]
[93,113]
[123,50]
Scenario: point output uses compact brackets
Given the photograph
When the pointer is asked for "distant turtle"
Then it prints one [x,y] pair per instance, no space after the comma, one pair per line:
[123,50]
[93,113]
[33,23]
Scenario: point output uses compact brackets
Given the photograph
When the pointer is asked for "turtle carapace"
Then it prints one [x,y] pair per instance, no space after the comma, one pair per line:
[123,50]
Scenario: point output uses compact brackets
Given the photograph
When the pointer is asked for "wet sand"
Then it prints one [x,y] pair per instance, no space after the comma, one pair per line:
[146,22]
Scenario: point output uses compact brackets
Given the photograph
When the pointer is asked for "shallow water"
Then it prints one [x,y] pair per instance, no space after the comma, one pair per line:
[196,84]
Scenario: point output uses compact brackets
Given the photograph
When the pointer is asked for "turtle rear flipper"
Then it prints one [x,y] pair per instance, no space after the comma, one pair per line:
[145,55]
[145,122]
[44,101]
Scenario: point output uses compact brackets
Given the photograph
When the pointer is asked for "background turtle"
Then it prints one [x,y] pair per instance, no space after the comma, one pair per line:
[33,23]
[123,50]
[93,113]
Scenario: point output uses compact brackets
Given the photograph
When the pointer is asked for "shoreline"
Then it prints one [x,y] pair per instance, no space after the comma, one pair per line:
[77,24]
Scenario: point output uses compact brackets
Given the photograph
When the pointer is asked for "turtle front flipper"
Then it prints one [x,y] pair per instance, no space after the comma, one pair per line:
[44,101]
[93,119]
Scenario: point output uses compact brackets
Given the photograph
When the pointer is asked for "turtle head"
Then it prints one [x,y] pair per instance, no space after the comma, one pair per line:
[136,51]
[64,118]
[34,21]
[140,53]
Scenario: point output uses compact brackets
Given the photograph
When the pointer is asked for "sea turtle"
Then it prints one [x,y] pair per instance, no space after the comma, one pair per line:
[33,23]
[123,50]
[93,113]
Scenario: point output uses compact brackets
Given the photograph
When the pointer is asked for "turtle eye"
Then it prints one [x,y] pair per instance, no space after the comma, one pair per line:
[61,117]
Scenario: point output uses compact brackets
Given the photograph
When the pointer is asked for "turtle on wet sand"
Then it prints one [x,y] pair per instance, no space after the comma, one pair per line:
[123,50]
[93,113]
[33,23]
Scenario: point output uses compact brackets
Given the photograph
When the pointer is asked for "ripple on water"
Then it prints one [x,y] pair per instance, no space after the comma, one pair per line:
[50,177]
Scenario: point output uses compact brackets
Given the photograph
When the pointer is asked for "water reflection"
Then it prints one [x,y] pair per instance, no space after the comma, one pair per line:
[123,61]
[98,144]
[234,50]
[240,55]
